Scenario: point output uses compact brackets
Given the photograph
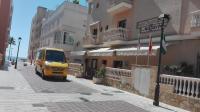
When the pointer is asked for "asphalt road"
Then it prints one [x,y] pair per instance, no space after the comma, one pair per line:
[51,85]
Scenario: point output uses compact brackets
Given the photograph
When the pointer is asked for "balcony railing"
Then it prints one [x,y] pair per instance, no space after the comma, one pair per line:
[90,40]
[195,19]
[183,85]
[116,34]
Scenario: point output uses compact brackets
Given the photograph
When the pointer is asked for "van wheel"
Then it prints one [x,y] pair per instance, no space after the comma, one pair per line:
[64,78]
[43,76]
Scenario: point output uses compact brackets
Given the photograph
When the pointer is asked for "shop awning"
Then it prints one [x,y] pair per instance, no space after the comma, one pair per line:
[94,23]
[101,52]
[78,53]
[133,51]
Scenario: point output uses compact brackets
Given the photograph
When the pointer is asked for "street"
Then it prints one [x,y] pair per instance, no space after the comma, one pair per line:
[51,85]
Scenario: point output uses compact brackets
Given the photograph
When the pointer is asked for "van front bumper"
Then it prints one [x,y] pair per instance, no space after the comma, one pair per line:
[51,73]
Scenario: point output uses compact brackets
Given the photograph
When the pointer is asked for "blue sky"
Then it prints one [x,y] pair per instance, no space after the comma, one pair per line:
[23,12]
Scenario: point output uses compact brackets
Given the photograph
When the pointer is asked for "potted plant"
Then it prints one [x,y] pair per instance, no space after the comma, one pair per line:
[99,76]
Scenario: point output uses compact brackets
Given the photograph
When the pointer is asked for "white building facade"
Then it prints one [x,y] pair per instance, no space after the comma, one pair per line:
[65,28]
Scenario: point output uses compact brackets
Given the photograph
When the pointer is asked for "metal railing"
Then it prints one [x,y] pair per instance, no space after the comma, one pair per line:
[183,85]
[195,19]
[115,34]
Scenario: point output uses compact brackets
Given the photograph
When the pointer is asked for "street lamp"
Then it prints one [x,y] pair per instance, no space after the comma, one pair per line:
[164,20]
[19,39]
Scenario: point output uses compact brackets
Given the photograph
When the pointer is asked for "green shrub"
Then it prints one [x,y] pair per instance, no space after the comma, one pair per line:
[100,73]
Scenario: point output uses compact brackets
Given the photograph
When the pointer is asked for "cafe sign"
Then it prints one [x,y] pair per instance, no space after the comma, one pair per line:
[151,25]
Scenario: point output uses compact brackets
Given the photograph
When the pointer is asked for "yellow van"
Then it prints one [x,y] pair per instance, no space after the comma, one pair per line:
[51,62]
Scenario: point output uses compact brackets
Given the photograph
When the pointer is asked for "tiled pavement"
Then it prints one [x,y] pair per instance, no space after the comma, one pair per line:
[98,106]
[17,95]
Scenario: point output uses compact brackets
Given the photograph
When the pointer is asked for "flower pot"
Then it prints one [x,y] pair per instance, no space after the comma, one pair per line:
[97,80]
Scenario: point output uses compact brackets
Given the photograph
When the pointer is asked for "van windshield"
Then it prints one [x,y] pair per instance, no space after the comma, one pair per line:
[55,56]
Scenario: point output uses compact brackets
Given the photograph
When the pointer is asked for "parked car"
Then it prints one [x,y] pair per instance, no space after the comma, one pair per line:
[51,62]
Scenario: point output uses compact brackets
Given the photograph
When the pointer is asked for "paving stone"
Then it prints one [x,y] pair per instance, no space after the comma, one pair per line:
[99,106]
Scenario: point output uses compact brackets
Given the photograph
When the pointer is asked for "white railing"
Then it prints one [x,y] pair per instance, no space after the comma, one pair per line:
[195,19]
[116,2]
[115,34]
[74,68]
[117,74]
[183,85]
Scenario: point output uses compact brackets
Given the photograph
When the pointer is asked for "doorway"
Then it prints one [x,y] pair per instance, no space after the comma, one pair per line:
[91,67]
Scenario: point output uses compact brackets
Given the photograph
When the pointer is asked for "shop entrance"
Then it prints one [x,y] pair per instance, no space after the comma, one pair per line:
[91,67]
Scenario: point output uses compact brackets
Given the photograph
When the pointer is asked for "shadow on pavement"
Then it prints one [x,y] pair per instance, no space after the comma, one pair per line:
[168,109]
[54,79]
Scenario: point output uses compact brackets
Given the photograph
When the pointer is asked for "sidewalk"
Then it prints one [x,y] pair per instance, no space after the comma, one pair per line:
[139,101]
[17,96]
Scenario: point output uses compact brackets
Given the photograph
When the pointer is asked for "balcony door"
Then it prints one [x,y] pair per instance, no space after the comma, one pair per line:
[91,67]
[122,23]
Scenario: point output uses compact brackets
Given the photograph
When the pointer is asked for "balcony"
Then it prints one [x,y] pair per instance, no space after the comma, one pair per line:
[118,6]
[90,41]
[116,35]
[195,21]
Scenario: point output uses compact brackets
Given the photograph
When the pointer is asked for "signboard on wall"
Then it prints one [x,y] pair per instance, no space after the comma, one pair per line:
[151,25]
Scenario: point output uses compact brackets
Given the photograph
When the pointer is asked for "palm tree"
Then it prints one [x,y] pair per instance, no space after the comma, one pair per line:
[11,41]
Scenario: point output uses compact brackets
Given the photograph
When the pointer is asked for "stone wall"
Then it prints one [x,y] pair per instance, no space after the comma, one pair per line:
[188,103]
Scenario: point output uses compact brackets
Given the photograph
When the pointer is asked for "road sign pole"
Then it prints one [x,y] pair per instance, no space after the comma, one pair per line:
[157,88]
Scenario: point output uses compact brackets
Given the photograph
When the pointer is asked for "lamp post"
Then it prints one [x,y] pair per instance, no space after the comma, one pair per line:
[162,17]
[11,54]
[19,39]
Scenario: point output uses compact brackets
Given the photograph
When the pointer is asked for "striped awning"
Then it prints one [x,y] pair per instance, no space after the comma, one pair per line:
[133,51]
[78,53]
[101,52]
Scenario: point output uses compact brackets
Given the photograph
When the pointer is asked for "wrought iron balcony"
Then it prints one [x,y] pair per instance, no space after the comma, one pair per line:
[118,6]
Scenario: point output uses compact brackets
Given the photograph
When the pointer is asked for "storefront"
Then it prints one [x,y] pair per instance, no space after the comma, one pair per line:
[122,58]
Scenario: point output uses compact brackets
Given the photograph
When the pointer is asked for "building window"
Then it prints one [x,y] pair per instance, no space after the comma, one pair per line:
[104,62]
[95,31]
[122,24]
[195,20]
[64,37]
[106,27]
[97,5]
[101,29]
[57,37]
[117,64]
[91,7]
[120,64]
